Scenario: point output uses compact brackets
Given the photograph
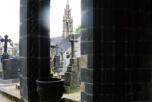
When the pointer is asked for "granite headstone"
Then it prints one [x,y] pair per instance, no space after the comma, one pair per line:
[10,68]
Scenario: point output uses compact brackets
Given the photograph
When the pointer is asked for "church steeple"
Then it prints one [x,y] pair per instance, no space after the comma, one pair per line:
[67,21]
[67,5]
[67,2]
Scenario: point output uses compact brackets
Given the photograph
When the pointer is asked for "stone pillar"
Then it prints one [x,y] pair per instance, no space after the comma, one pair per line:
[29,47]
[87,39]
[118,69]
[44,39]
[73,41]
[62,58]
[35,53]
[62,63]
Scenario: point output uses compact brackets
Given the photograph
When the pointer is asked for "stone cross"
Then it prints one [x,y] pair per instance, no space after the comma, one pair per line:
[73,40]
[62,58]
[6,40]
[72,75]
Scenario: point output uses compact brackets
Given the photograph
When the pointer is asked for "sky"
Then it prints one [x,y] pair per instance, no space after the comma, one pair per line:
[9,17]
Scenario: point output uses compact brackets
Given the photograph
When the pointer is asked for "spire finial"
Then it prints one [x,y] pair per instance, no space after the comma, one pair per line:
[67,2]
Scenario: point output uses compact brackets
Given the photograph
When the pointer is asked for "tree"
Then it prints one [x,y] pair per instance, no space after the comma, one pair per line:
[78,30]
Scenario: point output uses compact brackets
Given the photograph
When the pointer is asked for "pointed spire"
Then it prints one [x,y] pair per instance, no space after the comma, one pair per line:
[67,2]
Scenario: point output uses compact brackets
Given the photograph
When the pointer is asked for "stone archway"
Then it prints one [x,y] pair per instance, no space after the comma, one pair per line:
[116,44]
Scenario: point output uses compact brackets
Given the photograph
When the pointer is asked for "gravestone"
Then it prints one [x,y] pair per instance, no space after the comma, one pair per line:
[62,65]
[10,68]
[56,62]
[72,75]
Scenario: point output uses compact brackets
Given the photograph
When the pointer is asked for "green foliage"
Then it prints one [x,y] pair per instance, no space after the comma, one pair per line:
[78,30]
[10,54]
[53,74]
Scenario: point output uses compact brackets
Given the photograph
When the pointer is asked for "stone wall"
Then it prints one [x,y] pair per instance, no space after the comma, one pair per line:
[116,44]
[29,48]
[87,51]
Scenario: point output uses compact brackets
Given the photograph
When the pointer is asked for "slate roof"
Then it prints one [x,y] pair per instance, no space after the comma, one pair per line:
[62,43]
[56,40]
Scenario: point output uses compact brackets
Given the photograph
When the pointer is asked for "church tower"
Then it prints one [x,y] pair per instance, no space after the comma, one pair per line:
[67,21]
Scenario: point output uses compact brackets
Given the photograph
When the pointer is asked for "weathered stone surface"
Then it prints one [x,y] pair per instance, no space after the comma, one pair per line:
[122,49]
[29,48]
[84,61]
[87,49]
[57,62]
[72,77]
[86,97]
[11,68]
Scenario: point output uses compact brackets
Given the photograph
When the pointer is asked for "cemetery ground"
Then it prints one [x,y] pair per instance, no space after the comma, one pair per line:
[11,93]
[8,92]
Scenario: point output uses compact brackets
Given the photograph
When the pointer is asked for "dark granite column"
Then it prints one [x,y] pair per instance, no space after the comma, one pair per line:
[35,53]
[44,39]
[49,89]
[87,51]
[120,69]
[29,49]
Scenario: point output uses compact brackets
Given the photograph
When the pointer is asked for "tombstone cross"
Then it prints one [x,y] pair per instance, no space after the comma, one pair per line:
[6,40]
[62,58]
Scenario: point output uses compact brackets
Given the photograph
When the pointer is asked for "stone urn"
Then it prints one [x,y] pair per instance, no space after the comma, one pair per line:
[50,90]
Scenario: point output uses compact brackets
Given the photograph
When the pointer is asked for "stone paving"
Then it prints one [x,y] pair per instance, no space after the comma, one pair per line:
[8,93]
[73,96]
[4,98]
[14,92]
[11,90]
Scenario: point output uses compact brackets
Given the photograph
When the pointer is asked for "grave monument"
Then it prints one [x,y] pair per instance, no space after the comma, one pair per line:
[6,40]
[72,75]
[62,59]
[10,66]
